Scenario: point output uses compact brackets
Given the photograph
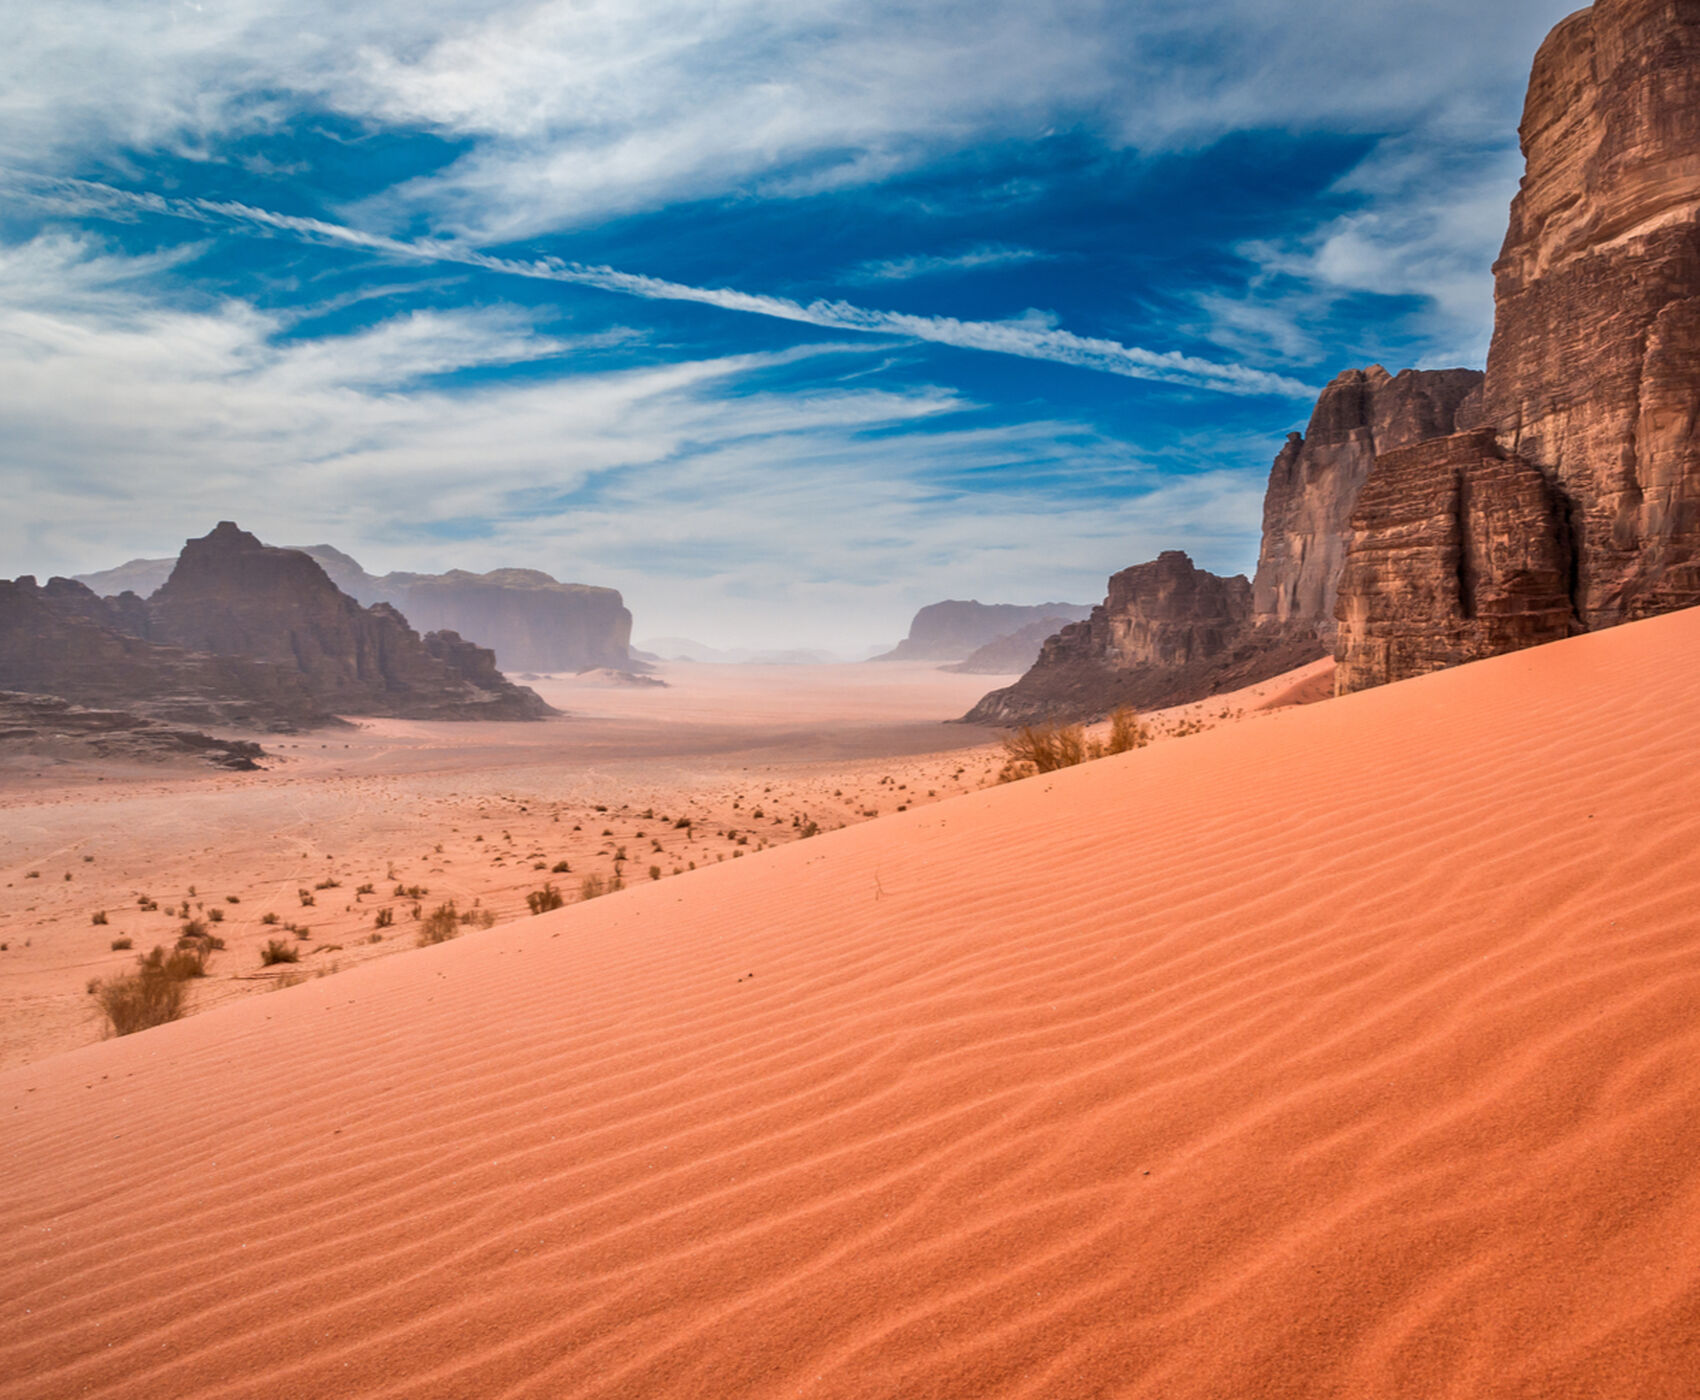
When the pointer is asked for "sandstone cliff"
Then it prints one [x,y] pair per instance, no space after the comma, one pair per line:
[1316,479]
[951,630]
[64,641]
[1166,633]
[530,621]
[46,727]
[1593,378]
[233,596]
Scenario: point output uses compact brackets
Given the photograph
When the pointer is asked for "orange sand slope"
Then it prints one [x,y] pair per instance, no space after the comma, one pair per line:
[1353,1053]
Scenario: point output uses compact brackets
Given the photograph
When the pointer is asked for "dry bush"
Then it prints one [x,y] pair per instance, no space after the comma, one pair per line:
[560,867]
[592,887]
[383,918]
[1044,748]
[543,900]
[122,942]
[479,918]
[100,916]
[154,993]
[440,925]
[277,951]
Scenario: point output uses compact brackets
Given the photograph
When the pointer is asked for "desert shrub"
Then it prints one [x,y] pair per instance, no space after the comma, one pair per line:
[120,944]
[440,925]
[655,872]
[216,915]
[810,828]
[479,918]
[362,889]
[592,887]
[233,899]
[187,960]
[306,897]
[149,996]
[277,951]
[268,918]
[409,892]
[374,938]
[543,900]
[328,884]
[1126,732]
[100,916]
[383,918]
[560,867]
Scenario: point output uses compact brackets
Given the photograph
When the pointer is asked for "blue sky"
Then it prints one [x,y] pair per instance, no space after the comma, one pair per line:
[784,318]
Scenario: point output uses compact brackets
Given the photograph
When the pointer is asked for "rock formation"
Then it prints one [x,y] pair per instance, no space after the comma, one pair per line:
[952,630]
[529,620]
[230,595]
[1593,378]
[1316,479]
[1461,552]
[1011,655]
[1166,633]
[64,641]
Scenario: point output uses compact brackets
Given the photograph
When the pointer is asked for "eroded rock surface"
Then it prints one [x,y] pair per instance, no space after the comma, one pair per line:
[1316,480]
[233,596]
[44,726]
[1593,379]
[1167,632]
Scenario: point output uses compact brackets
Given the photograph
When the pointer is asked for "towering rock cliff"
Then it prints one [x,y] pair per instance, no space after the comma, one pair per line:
[1593,378]
[530,621]
[231,595]
[952,630]
[62,640]
[1167,632]
[1315,482]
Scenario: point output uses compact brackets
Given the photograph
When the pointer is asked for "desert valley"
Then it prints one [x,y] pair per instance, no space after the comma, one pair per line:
[1278,984]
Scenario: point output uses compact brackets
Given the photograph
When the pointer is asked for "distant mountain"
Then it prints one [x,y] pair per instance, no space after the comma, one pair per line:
[954,630]
[1011,655]
[531,621]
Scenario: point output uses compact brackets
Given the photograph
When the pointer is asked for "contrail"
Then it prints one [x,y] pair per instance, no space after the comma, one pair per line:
[997,337]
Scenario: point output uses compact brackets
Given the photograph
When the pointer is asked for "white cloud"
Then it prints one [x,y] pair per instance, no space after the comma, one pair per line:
[723,510]
[980,259]
[1034,335]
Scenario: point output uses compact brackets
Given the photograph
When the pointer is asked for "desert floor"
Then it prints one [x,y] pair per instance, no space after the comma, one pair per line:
[1350,1051]
[480,814]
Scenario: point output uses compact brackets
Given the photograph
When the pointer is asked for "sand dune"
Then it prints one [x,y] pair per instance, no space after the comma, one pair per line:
[1353,1052]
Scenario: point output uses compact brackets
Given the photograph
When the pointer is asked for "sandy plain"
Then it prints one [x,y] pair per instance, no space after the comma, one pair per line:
[1354,1051]
[481,814]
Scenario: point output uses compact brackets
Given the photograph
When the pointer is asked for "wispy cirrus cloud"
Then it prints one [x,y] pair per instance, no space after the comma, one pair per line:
[722,503]
[1028,338]
[980,259]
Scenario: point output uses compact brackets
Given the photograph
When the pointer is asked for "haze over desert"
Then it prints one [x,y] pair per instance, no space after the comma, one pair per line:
[850,701]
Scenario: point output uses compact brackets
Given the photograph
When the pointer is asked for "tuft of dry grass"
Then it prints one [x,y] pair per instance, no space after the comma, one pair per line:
[1044,748]
[156,992]
[543,900]
[277,951]
[440,925]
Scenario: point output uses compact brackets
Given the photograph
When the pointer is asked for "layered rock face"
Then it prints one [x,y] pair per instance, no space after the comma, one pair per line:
[233,596]
[44,726]
[530,621]
[1464,552]
[952,630]
[1593,378]
[64,641]
[1167,632]
[1315,482]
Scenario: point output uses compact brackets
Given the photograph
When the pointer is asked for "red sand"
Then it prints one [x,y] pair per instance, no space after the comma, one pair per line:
[1354,1052]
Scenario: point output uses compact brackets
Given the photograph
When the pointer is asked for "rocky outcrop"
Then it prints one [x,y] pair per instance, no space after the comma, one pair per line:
[1011,655]
[44,726]
[64,641]
[952,630]
[530,621]
[1166,633]
[1593,377]
[1315,482]
[1463,551]
[233,596]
